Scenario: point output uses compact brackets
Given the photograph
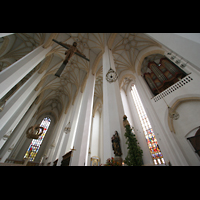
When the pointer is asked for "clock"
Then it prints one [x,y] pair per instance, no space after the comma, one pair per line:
[111,76]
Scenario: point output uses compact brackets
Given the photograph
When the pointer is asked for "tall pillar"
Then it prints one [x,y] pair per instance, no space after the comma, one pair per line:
[68,145]
[5,34]
[82,135]
[18,99]
[18,70]
[11,143]
[101,137]
[112,110]
[54,137]
[94,147]
[63,138]
[147,159]
[67,140]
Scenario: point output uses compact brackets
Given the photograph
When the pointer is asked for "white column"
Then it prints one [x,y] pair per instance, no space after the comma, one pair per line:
[67,140]
[54,137]
[112,110]
[10,145]
[82,135]
[101,137]
[68,145]
[18,104]
[139,131]
[94,147]
[63,137]
[5,34]
[18,70]
[13,104]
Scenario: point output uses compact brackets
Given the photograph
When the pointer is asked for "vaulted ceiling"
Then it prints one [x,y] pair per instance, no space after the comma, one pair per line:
[57,94]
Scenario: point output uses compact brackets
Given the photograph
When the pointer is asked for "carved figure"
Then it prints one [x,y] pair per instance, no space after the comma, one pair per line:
[69,53]
[116,144]
[125,121]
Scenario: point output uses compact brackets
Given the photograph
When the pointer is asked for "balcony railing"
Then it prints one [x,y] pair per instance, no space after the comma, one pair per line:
[187,79]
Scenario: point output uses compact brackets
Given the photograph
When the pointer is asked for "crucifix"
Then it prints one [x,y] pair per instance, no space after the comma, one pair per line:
[69,53]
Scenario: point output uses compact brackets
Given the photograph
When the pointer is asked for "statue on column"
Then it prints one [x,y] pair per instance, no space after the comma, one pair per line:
[116,144]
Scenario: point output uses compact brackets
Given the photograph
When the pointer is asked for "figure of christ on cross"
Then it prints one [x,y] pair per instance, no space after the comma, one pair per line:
[69,53]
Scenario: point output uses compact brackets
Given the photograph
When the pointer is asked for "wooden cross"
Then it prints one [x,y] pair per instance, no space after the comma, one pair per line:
[69,53]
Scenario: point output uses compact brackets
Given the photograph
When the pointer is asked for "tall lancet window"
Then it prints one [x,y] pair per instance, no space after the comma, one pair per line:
[35,144]
[147,129]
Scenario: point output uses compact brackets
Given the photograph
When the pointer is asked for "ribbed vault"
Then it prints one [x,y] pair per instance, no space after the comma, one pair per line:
[56,94]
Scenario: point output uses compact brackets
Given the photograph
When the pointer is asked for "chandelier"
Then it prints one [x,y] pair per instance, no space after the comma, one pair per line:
[111,76]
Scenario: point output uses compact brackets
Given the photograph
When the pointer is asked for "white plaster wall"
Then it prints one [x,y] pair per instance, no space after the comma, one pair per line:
[127,110]
[187,45]
[189,119]
[177,147]
[156,112]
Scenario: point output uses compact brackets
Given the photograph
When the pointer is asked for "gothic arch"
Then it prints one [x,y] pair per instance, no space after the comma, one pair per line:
[176,105]
[111,40]
[125,74]
[97,105]
[144,53]
[49,42]
[96,62]
[7,44]
[50,113]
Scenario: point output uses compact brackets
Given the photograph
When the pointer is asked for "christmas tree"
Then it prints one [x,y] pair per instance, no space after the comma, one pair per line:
[134,156]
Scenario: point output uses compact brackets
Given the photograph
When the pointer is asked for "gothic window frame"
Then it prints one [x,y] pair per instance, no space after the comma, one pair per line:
[152,142]
[35,144]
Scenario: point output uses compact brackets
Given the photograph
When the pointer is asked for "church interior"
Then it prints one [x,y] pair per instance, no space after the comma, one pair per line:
[77,118]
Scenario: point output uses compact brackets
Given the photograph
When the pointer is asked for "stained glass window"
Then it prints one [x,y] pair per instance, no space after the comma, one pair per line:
[147,129]
[35,144]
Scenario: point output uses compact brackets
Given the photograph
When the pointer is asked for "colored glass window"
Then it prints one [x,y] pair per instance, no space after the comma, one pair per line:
[35,144]
[147,129]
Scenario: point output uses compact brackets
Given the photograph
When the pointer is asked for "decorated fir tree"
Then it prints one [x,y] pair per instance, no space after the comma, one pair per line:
[134,156]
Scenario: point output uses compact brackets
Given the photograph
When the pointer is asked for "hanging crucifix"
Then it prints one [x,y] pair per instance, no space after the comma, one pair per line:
[69,53]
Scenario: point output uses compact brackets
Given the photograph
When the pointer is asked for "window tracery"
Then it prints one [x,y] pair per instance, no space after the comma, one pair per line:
[35,144]
[150,137]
